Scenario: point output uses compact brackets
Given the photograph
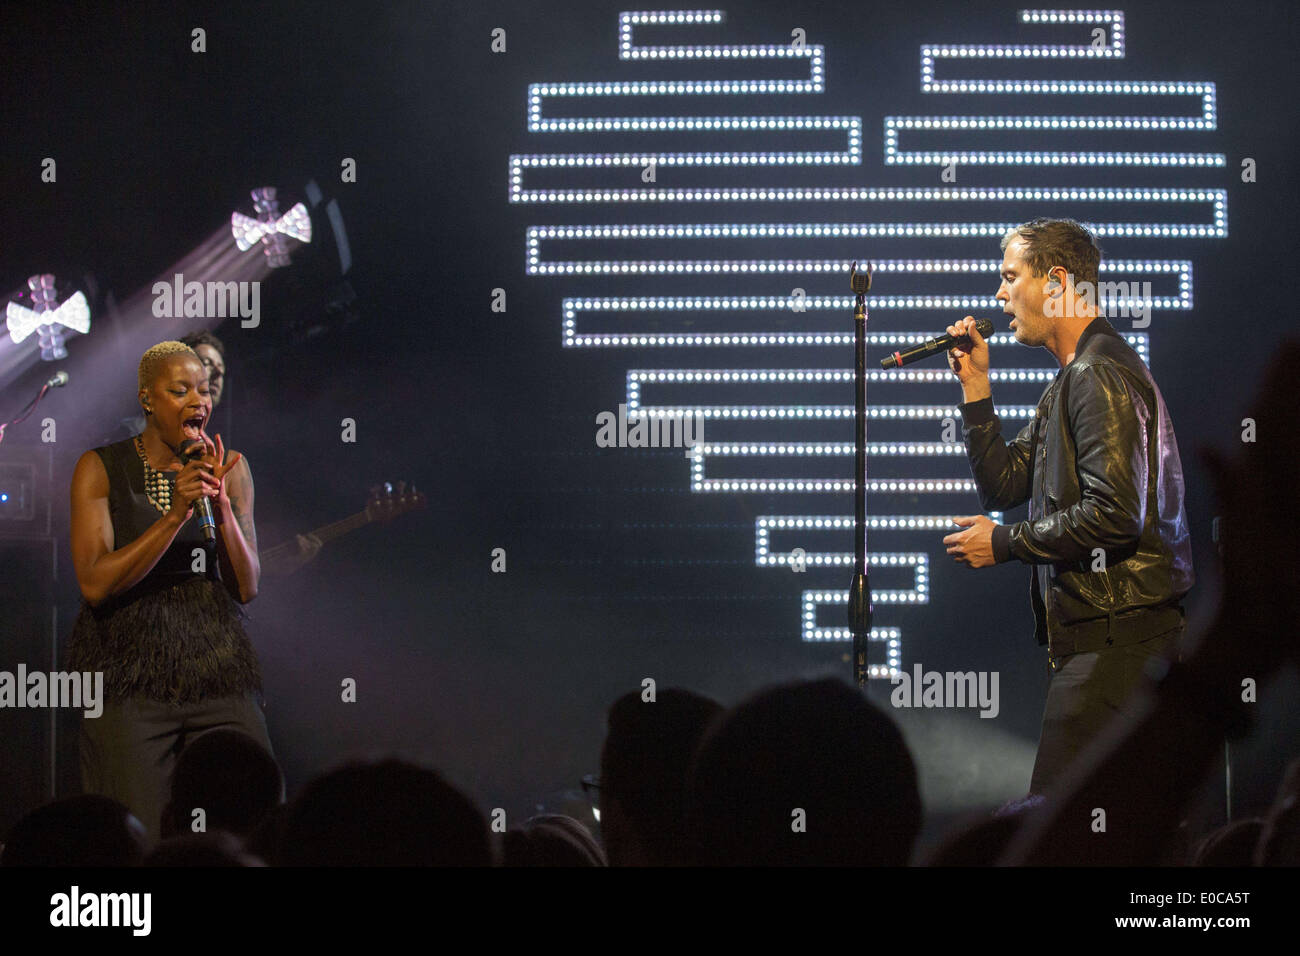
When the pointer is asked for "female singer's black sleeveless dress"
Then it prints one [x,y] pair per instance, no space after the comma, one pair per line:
[175,657]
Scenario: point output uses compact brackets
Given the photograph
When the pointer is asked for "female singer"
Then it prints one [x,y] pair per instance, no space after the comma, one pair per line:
[161,616]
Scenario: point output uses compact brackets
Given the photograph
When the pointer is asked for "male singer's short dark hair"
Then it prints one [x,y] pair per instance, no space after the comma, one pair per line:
[204,337]
[1058,242]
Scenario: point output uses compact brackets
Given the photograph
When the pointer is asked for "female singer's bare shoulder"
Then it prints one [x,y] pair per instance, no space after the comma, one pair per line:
[90,476]
[239,479]
[241,467]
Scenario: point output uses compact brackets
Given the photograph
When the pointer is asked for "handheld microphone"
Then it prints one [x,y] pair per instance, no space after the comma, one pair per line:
[936,345]
[189,451]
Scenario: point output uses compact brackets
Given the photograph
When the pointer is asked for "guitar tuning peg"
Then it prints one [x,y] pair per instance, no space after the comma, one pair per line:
[401,487]
[388,487]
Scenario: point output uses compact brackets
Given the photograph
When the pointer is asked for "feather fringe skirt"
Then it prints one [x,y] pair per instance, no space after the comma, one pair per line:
[178,642]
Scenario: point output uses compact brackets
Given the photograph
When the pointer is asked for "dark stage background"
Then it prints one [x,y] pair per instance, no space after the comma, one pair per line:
[616,569]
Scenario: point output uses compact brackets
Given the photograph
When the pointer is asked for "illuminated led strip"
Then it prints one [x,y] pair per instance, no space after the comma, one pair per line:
[627,21]
[811,632]
[919,561]
[850,155]
[849,194]
[535,265]
[890,636]
[739,412]
[702,450]
[765,557]
[815,83]
[764,525]
[1207,120]
[783,304]
[636,377]
[574,339]
[627,50]
[900,486]
[921,449]
[853,230]
[889,596]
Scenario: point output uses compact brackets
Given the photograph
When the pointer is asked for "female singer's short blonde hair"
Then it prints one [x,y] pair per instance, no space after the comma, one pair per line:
[152,361]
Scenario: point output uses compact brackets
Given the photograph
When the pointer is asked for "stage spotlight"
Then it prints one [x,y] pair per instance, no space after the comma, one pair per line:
[270,228]
[47,316]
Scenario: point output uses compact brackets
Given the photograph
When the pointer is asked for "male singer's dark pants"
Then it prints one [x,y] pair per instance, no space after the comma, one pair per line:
[129,751]
[1087,692]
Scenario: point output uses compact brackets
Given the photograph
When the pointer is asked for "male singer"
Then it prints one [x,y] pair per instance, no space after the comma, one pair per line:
[1106,535]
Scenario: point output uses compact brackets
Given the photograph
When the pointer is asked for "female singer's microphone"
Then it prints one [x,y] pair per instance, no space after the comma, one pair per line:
[190,450]
[936,345]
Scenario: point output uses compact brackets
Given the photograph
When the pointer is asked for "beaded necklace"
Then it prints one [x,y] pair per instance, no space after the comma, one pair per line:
[157,484]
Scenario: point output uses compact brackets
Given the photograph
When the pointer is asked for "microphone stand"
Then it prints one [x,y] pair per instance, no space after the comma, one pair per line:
[860,607]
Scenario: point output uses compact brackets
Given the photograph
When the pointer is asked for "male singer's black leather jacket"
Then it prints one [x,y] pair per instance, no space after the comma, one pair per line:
[1102,472]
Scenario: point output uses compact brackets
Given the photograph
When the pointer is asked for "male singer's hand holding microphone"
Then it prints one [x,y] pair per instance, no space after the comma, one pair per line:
[970,365]
[974,546]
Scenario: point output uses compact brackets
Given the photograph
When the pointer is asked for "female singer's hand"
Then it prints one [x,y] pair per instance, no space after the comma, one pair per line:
[192,482]
[214,456]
